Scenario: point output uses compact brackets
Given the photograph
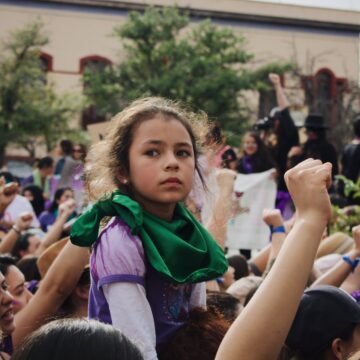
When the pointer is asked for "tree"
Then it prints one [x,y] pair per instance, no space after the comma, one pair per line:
[30,110]
[203,65]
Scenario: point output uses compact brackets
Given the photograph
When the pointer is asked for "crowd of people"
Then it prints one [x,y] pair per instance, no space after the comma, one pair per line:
[126,258]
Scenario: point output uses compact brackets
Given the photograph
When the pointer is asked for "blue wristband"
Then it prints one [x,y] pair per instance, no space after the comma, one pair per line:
[352,263]
[278,229]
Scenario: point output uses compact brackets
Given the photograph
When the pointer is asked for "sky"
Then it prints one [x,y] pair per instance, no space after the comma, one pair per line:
[352,5]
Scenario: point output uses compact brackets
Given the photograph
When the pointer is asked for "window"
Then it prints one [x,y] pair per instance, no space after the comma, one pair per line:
[93,64]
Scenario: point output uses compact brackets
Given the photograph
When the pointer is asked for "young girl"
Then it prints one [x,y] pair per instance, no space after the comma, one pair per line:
[149,263]
[256,157]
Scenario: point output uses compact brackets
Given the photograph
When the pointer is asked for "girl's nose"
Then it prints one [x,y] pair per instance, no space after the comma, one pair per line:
[172,161]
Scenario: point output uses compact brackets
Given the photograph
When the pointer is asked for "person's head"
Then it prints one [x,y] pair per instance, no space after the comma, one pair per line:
[61,196]
[326,325]
[251,142]
[225,304]
[150,152]
[356,126]
[27,244]
[16,282]
[35,195]
[64,148]
[239,263]
[79,151]
[94,340]
[46,166]
[76,304]
[215,137]
[198,338]
[315,127]
[7,325]
[28,266]
[229,159]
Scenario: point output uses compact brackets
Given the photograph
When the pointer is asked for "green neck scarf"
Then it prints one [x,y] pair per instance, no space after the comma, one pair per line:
[181,250]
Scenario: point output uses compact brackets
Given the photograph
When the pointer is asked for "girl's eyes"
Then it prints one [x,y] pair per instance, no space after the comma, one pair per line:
[183,153]
[179,153]
[152,153]
[4,287]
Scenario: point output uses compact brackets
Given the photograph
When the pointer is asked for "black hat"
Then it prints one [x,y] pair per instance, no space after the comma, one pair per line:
[323,314]
[315,121]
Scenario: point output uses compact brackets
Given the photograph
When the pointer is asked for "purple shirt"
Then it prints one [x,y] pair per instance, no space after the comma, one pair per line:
[119,256]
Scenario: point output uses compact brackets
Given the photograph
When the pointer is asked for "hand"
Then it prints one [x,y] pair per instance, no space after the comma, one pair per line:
[272,217]
[7,193]
[225,179]
[295,151]
[274,78]
[356,236]
[23,222]
[67,208]
[307,183]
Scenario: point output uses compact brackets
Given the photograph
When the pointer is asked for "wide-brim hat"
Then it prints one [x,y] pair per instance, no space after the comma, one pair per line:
[315,121]
[323,314]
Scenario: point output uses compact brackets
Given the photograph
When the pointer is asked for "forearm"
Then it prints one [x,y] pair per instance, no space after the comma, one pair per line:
[282,296]
[337,274]
[281,98]
[8,242]
[217,224]
[57,285]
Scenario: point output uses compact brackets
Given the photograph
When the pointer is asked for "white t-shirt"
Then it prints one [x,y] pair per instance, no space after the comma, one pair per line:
[19,205]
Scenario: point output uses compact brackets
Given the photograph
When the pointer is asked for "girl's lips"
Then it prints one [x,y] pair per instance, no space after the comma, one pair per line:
[171,181]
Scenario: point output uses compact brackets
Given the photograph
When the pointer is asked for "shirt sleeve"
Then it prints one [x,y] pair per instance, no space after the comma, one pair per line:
[119,255]
[131,314]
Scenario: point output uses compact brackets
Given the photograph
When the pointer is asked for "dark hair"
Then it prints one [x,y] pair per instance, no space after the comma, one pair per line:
[225,304]
[94,340]
[22,244]
[38,202]
[68,307]
[356,126]
[83,150]
[45,162]
[58,194]
[66,146]
[239,263]
[199,338]
[262,159]
[28,266]
[345,335]
[8,176]
[6,260]
[214,135]
[110,156]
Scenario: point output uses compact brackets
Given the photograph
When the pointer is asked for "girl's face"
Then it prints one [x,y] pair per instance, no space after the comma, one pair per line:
[28,194]
[77,152]
[16,281]
[6,308]
[250,145]
[67,194]
[161,165]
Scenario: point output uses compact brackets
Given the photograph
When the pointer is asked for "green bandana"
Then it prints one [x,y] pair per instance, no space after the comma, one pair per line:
[182,250]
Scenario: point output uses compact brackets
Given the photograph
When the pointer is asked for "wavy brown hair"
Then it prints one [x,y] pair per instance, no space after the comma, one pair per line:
[109,158]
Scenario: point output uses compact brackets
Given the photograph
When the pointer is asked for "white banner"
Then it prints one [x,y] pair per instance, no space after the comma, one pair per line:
[252,194]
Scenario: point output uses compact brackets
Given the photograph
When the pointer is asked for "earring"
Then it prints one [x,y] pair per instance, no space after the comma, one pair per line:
[125,181]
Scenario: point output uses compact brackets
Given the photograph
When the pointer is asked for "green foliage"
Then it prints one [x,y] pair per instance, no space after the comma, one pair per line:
[351,189]
[29,106]
[201,64]
[345,219]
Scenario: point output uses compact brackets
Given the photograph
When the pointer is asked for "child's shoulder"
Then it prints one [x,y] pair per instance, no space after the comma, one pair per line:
[119,249]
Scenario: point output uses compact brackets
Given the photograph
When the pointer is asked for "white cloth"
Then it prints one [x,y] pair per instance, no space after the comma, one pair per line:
[131,314]
[19,205]
[247,230]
